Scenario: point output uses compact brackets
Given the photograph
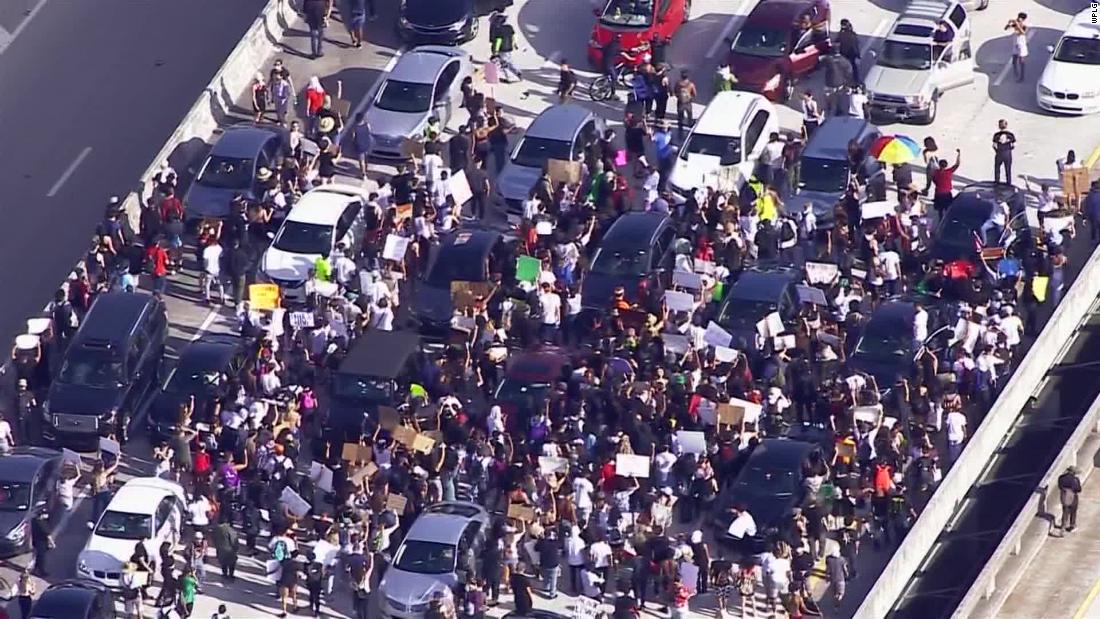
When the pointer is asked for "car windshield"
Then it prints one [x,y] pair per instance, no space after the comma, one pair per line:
[296,237]
[885,344]
[422,557]
[1078,51]
[610,261]
[124,525]
[754,41]
[637,13]
[521,393]
[958,231]
[911,56]
[192,382]
[771,481]
[406,97]
[445,269]
[352,387]
[91,370]
[726,148]
[14,496]
[826,175]
[226,173]
[534,152]
[744,314]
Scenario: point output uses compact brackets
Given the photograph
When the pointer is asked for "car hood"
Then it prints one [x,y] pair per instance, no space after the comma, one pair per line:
[823,202]
[1069,77]
[515,181]
[434,303]
[10,520]
[598,287]
[433,14]
[768,510]
[413,589]
[692,172]
[205,201]
[79,400]
[389,124]
[897,82]
[754,70]
[106,554]
[287,267]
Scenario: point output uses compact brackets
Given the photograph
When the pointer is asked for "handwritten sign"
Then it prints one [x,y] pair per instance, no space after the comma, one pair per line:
[822,273]
[562,171]
[629,465]
[263,296]
[302,320]
[395,248]
[396,503]
[522,512]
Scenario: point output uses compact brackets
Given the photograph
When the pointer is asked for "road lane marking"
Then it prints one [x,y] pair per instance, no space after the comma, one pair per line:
[1008,65]
[373,90]
[878,33]
[68,172]
[7,40]
[1085,605]
[730,25]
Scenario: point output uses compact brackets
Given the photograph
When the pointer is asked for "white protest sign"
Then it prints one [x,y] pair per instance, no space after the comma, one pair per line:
[549,465]
[629,465]
[877,210]
[107,445]
[783,342]
[302,320]
[294,502]
[692,442]
[69,456]
[867,414]
[716,335]
[775,323]
[705,267]
[811,294]
[724,354]
[396,246]
[751,409]
[679,301]
[691,281]
[675,343]
[822,273]
[459,188]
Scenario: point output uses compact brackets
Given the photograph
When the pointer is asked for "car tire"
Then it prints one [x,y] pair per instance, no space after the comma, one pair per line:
[474,29]
[786,88]
[933,107]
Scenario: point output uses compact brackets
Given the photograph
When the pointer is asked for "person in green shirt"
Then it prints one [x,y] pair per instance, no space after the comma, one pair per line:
[189,586]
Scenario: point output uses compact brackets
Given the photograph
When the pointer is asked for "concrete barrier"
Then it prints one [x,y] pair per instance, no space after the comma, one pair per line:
[1031,529]
[1022,386]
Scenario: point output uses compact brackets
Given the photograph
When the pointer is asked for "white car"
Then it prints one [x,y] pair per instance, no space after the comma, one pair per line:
[722,148]
[1070,83]
[147,511]
[322,218]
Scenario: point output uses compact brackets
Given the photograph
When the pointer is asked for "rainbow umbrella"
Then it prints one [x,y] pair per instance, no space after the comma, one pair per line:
[895,149]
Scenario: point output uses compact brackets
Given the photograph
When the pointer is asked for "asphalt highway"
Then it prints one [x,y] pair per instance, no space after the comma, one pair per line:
[91,91]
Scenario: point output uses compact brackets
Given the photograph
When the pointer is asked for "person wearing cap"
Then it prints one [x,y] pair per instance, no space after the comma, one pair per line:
[1069,490]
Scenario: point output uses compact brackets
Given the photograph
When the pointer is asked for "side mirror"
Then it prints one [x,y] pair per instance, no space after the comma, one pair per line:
[91,526]
[874,54]
[1050,49]
[941,65]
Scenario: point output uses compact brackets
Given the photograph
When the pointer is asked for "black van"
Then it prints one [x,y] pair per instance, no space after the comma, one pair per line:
[75,599]
[111,365]
[377,371]
[824,168]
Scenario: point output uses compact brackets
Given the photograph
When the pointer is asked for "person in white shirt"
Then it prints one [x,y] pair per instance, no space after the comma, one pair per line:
[743,525]
[212,270]
[891,271]
[920,324]
[582,497]
[1012,326]
[550,308]
[575,557]
[7,437]
[956,433]
[433,165]
[857,102]
[382,315]
[198,509]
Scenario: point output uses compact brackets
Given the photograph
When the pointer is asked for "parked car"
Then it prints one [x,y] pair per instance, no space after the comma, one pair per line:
[202,372]
[825,168]
[425,82]
[758,292]
[528,378]
[769,486]
[468,255]
[635,253]
[725,142]
[109,368]
[912,71]
[429,558]
[558,132]
[28,487]
[636,23]
[772,50]
[75,599]
[439,22]
[886,348]
[231,169]
[323,218]
[1070,83]
[366,380]
[146,510]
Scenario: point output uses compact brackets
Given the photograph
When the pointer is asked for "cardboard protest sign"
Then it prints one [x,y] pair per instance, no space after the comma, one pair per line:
[363,473]
[683,279]
[562,171]
[822,273]
[679,301]
[459,188]
[692,442]
[263,296]
[404,435]
[811,294]
[750,411]
[402,212]
[395,248]
[522,512]
[294,502]
[548,465]
[412,148]
[730,415]
[388,417]
[724,354]
[528,268]
[423,443]
[396,503]
[465,294]
[716,335]
[302,320]
[629,465]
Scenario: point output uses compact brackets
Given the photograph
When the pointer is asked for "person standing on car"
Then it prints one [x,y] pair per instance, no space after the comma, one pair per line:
[847,43]
[316,13]
[1004,142]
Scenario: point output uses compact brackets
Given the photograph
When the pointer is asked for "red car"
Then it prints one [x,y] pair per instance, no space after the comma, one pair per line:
[637,21]
[780,41]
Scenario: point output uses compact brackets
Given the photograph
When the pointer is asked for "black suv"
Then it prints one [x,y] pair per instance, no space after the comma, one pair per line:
[75,599]
[28,486]
[111,365]
[636,253]
[758,292]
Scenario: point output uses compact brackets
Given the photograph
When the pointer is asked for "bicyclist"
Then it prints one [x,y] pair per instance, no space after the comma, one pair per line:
[610,57]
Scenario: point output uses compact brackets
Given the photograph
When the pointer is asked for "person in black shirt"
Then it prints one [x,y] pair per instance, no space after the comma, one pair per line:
[567,81]
[609,58]
[521,589]
[847,42]
[315,13]
[460,149]
[1004,141]
[549,549]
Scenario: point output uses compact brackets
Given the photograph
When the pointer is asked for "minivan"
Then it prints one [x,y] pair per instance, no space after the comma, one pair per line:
[825,167]
[111,365]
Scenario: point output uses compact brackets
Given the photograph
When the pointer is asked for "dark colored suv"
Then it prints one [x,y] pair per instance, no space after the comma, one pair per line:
[111,365]
[757,293]
[636,253]
[75,599]
[28,485]
[203,371]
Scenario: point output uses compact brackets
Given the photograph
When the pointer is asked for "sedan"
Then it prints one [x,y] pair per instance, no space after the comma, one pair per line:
[1069,83]
[203,372]
[231,168]
[28,482]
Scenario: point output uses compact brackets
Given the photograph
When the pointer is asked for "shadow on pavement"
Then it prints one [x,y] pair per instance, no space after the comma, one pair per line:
[994,58]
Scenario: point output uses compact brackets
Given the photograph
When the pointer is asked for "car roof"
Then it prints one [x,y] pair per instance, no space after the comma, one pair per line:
[830,140]
[893,314]
[210,352]
[23,463]
[558,122]
[724,113]
[134,496]
[1083,26]
[764,286]
[778,12]
[324,205]
[243,142]
[780,453]
[421,65]
[445,522]
[468,244]
[61,600]
[970,206]
[633,230]
[366,357]
[923,13]
[113,316]
[543,365]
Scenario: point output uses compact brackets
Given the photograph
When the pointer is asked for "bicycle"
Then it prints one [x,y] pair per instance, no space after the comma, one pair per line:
[601,88]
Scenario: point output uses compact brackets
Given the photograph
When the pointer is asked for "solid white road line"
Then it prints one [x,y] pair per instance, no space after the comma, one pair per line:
[6,41]
[68,172]
[730,25]
[207,323]
[5,38]
[369,96]
[1008,65]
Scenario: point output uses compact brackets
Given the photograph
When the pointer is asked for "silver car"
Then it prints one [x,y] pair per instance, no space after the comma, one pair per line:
[426,82]
[430,558]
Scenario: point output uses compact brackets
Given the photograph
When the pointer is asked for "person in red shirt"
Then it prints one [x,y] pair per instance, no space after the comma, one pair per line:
[156,264]
[944,180]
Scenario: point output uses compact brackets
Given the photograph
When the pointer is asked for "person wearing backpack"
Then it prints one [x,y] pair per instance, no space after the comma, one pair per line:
[1069,487]
[315,580]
